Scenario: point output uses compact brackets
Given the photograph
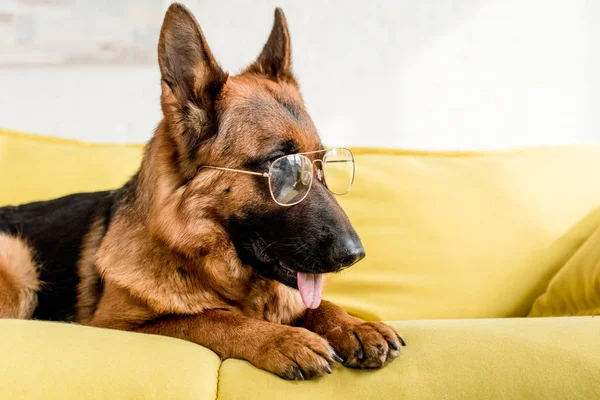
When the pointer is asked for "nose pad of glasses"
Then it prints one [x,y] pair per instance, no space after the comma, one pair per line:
[320,174]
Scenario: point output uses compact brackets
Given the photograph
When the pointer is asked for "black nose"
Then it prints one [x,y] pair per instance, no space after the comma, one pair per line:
[348,253]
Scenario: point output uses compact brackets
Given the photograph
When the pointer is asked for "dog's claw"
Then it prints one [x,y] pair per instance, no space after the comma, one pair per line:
[402,342]
[328,369]
[393,345]
[337,358]
[359,353]
[298,375]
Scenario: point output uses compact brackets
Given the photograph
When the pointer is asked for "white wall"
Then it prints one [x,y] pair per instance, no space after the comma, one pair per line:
[465,74]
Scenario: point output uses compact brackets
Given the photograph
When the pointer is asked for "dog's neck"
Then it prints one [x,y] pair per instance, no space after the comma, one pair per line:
[165,205]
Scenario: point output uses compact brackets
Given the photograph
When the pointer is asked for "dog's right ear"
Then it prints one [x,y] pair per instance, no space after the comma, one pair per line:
[191,83]
[191,78]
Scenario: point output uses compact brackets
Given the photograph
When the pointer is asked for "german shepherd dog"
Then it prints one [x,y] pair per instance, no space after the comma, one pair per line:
[197,253]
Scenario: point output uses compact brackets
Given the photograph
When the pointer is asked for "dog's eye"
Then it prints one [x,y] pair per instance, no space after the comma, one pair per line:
[274,157]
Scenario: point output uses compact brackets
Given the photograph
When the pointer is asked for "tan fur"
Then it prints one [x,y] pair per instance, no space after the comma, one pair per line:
[119,310]
[18,278]
[87,293]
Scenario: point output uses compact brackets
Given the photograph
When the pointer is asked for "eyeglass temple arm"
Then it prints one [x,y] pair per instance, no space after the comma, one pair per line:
[263,174]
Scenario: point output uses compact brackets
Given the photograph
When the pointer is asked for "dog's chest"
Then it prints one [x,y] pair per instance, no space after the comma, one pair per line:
[273,302]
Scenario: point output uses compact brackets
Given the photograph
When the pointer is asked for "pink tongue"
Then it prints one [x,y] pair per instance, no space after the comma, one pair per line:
[310,286]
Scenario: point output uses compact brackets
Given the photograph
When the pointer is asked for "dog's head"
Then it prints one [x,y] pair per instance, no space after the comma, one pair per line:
[246,122]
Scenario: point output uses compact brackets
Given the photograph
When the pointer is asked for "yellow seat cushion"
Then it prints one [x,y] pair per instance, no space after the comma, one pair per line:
[545,358]
[575,289]
[447,235]
[552,358]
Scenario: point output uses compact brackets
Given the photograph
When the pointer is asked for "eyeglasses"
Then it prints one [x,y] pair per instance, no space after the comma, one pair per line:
[291,177]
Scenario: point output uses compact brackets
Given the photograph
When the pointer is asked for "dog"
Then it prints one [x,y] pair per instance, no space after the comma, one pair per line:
[194,246]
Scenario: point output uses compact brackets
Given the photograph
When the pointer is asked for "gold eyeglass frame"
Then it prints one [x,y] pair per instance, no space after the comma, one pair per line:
[312,163]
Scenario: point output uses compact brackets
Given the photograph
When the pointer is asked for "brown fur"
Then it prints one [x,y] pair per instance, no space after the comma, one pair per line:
[167,262]
[88,294]
[18,278]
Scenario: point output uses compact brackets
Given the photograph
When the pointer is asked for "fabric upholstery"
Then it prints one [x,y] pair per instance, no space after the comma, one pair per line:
[447,235]
[575,289]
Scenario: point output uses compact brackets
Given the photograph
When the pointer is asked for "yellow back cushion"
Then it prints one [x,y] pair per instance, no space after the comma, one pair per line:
[40,168]
[447,235]
[466,234]
[575,289]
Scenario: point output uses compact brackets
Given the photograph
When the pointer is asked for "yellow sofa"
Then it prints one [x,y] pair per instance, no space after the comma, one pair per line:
[461,247]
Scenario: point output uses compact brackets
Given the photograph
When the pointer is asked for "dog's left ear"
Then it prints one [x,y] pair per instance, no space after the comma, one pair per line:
[275,60]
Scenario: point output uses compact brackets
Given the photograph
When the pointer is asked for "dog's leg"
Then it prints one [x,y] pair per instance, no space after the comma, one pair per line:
[18,279]
[289,352]
[361,344]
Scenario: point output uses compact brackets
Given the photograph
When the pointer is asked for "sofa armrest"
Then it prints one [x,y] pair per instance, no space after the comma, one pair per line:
[46,360]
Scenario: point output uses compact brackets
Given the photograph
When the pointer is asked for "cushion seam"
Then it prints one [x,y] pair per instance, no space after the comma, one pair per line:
[218,380]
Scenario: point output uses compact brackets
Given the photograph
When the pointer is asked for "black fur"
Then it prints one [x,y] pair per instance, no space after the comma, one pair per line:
[54,229]
[307,238]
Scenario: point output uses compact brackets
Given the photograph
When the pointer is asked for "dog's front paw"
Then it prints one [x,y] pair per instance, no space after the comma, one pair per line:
[297,354]
[366,344]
